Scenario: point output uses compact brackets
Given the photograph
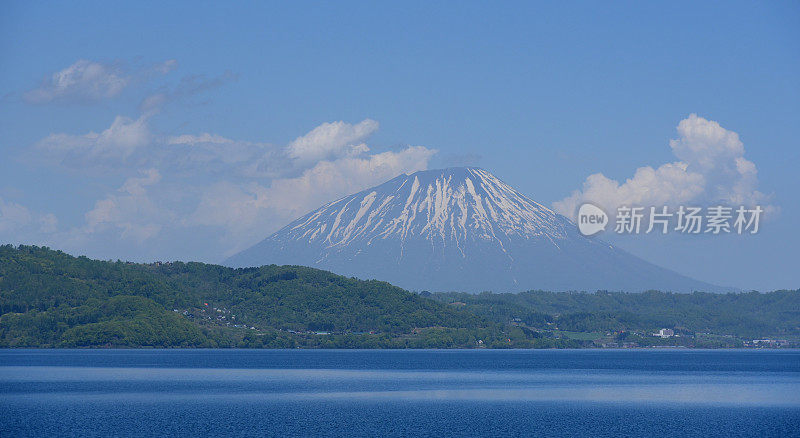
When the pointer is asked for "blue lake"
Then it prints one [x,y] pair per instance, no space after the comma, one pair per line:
[399,393]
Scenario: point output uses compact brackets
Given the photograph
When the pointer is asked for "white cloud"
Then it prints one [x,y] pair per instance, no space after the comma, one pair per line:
[13,216]
[326,142]
[48,223]
[131,211]
[230,191]
[130,144]
[113,146]
[84,81]
[213,154]
[19,224]
[718,155]
[165,67]
[329,180]
[712,169]
[332,140]
[90,81]
[248,212]
[197,139]
[232,206]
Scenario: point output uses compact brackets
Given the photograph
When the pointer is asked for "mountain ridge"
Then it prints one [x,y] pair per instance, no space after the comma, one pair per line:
[457,229]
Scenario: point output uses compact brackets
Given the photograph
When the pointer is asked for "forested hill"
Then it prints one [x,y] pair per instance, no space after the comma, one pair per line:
[744,316]
[49,298]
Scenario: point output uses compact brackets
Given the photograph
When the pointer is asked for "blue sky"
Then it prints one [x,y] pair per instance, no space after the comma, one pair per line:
[215,124]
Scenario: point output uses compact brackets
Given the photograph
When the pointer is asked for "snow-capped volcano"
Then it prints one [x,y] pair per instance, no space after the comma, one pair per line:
[444,208]
[457,229]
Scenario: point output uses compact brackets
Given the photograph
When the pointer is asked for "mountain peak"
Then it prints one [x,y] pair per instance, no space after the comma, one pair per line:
[443,206]
[459,228]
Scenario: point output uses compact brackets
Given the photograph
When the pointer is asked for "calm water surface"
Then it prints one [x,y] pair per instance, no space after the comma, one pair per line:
[399,393]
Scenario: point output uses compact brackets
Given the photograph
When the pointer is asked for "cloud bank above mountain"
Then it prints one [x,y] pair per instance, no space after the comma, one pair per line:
[246,188]
[153,185]
[158,186]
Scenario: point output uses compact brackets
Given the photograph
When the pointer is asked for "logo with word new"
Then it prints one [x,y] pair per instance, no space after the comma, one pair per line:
[591,219]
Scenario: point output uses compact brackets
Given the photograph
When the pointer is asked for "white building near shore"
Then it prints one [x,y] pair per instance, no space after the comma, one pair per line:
[665,333]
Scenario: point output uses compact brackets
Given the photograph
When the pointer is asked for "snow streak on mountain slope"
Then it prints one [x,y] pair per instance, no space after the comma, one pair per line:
[450,208]
[456,229]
